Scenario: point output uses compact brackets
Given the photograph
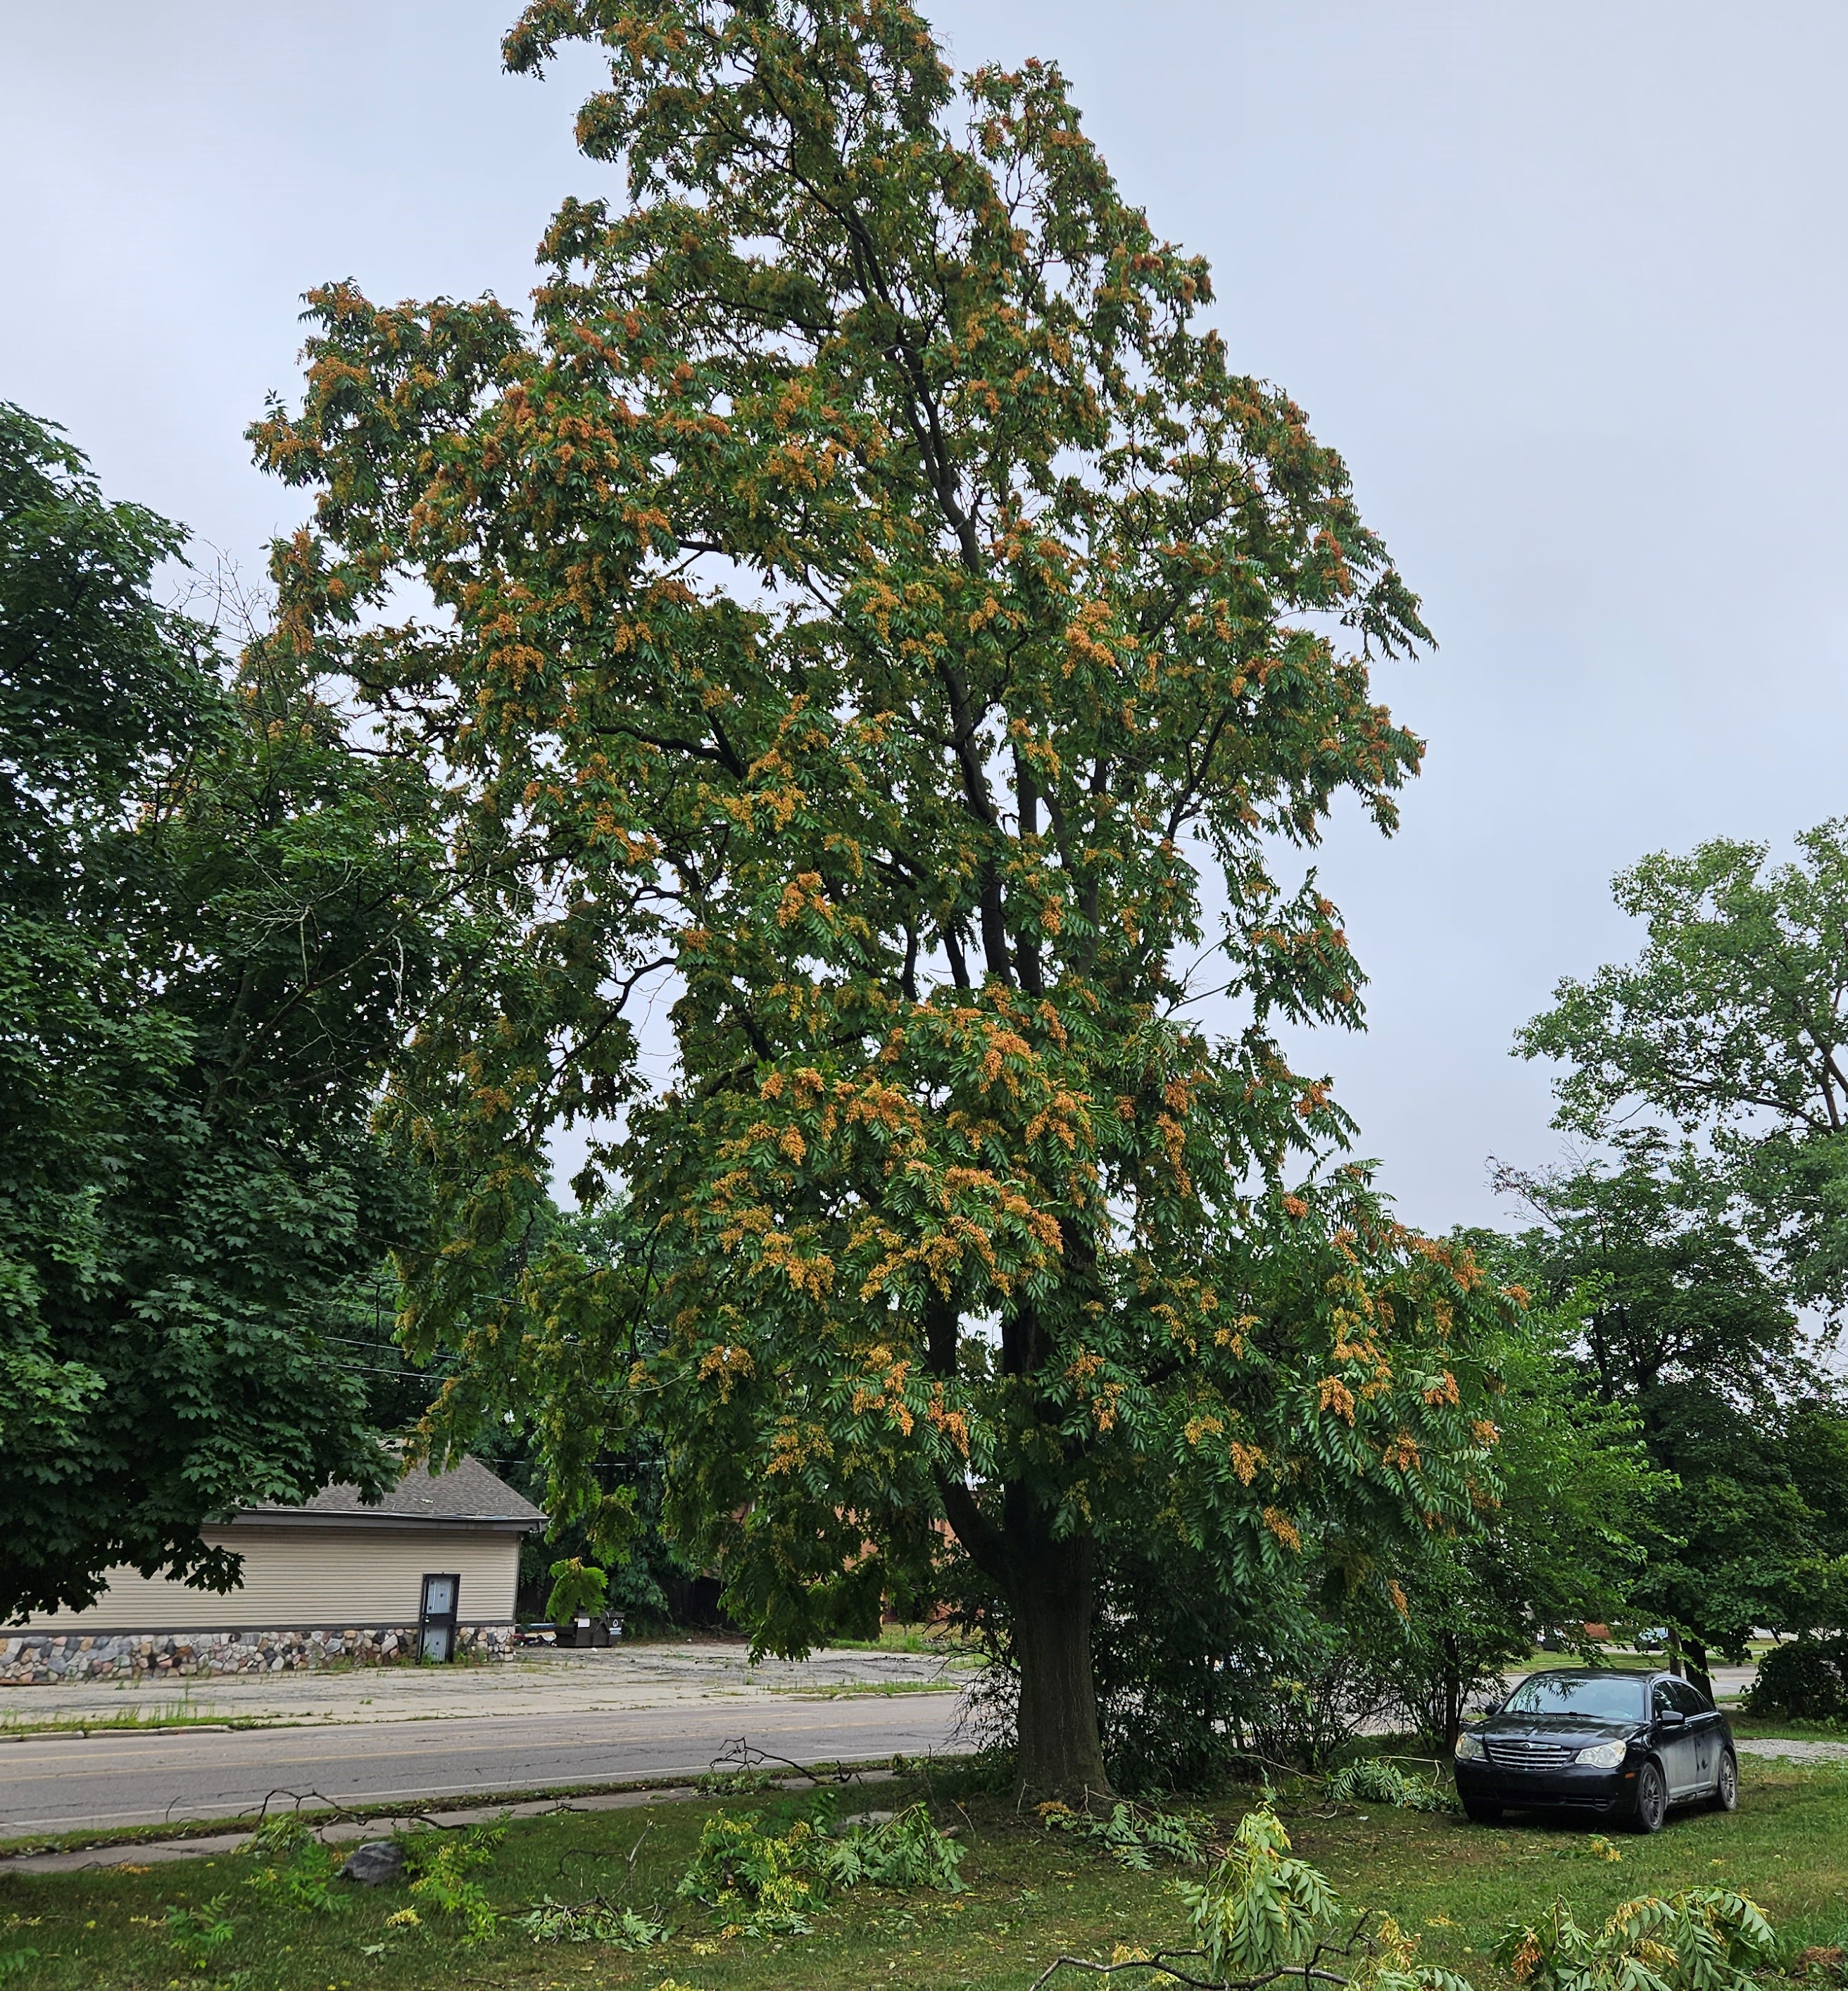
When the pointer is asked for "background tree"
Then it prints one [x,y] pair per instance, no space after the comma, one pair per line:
[1683,1326]
[1733,1024]
[541,1420]
[211,917]
[1815,1455]
[868,602]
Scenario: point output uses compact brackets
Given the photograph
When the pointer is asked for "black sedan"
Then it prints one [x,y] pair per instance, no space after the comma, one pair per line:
[1620,1746]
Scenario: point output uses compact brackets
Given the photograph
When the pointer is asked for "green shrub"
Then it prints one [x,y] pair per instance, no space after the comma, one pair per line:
[1260,1910]
[740,1783]
[578,1591]
[1806,1680]
[197,1933]
[905,1852]
[1262,1914]
[758,1881]
[298,1871]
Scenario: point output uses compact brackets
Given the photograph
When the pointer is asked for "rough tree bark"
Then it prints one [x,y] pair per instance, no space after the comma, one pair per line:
[1694,1667]
[1049,1588]
[1451,1647]
[1051,1591]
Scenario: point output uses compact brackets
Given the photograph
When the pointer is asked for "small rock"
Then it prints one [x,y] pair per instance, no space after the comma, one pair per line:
[375,1863]
[867,1818]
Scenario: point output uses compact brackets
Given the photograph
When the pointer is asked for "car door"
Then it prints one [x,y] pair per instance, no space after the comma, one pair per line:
[1704,1725]
[1672,1736]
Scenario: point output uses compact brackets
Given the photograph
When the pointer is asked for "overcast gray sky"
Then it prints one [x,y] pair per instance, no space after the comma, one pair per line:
[1565,283]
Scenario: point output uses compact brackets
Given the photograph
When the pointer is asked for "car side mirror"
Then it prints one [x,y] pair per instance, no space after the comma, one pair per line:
[1672,1717]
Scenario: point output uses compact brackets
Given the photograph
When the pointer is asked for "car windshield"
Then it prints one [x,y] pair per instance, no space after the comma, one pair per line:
[1599,1697]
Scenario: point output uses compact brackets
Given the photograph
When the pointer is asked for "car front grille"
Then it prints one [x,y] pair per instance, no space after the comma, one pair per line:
[1519,1752]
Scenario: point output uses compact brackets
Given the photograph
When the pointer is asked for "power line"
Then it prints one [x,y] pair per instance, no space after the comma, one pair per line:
[407,1375]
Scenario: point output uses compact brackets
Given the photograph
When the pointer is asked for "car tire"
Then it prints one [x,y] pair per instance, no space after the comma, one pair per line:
[1482,1811]
[1726,1784]
[1652,1800]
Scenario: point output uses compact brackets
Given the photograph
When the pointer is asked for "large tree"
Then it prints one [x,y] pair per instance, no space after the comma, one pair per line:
[211,918]
[872,611]
[1730,1025]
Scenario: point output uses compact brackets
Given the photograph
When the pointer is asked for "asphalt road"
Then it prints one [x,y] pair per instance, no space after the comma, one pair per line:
[65,1783]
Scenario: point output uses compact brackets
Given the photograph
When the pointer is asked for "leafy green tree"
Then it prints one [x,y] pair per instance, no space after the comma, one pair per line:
[1199,1662]
[362,1340]
[546,1437]
[869,602]
[1815,1455]
[1685,1328]
[1669,1287]
[1563,1547]
[211,917]
[1733,1024]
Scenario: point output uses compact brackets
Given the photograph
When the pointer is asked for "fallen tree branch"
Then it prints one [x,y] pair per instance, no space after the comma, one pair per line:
[1164,1961]
[742,1757]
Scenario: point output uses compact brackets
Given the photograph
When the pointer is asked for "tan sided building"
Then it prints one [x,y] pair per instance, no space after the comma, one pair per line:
[430,1571]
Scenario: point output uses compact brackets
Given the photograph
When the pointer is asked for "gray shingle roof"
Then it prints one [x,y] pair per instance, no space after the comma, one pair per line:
[468,1492]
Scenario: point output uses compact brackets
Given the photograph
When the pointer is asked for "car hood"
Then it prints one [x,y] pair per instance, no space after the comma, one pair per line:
[1584,1730]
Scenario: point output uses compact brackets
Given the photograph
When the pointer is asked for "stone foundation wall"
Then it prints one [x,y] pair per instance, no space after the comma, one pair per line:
[36,1658]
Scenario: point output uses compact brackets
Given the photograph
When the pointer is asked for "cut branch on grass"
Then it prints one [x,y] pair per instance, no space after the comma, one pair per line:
[1263,1917]
[743,1759]
[1164,1962]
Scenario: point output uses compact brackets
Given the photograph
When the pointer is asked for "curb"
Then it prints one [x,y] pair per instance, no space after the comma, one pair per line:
[363,1823]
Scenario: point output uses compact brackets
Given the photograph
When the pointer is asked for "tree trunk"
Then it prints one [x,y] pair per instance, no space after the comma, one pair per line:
[1696,1667]
[1049,1587]
[1050,1593]
[1453,1688]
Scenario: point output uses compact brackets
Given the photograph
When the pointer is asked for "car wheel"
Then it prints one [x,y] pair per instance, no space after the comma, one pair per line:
[1482,1811]
[1652,1800]
[1726,1786]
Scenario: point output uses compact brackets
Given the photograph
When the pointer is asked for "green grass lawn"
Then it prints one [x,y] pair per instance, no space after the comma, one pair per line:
[944,1640]
[1776,1726]
[1030,1895]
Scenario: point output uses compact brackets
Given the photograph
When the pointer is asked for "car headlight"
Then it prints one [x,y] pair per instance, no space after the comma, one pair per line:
[1603,1755]
[1469,1748]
